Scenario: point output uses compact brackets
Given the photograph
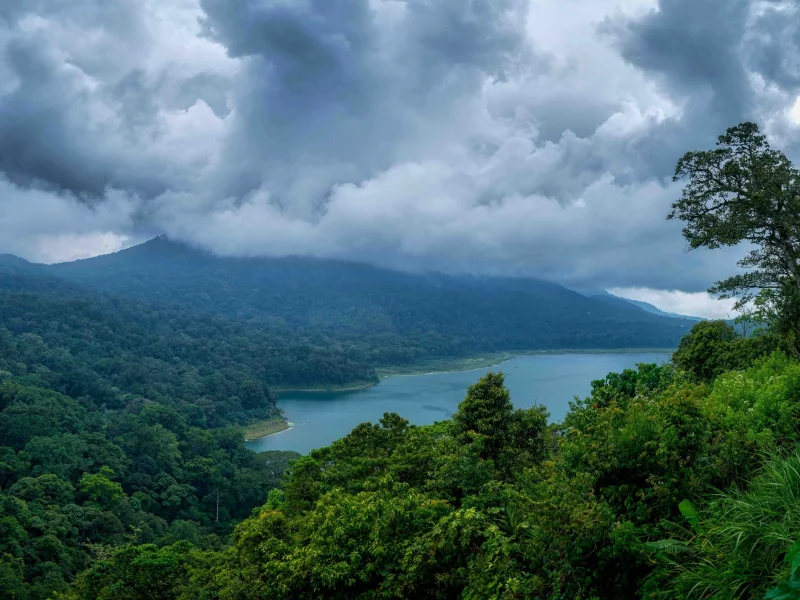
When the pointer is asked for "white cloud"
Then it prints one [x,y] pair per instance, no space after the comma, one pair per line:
[696,304]
[44,226]
[794,112]
[70,246]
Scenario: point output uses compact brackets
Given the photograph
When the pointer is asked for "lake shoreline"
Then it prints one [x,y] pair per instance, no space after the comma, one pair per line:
[552,379]
[261,429]
[349,387]
[471,363]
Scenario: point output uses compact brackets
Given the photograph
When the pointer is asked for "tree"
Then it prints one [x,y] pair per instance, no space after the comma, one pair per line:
[707,350]
[486,411]
[744,191]
[133,572]
[100,488]
[63,454]
[12,576]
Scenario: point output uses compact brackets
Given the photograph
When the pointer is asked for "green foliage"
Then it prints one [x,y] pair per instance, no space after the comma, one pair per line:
[485,412]
[744,191]
[465,508]
[691,513]
[135,573]
[747,544]
[510,438]
[76,477]
[115,352]
[99,488]
[495,504]
[399,511]
[714,347]
[789,588]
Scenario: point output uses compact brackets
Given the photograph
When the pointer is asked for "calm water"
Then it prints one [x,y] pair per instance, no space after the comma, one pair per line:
[553,381]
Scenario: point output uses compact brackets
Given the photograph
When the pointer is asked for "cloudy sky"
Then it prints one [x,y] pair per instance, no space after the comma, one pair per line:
[532,137]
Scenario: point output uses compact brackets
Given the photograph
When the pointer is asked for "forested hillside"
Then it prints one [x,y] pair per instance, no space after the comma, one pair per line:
[612,299]
[115,428]
[379,316]
[225,365]
[77,479]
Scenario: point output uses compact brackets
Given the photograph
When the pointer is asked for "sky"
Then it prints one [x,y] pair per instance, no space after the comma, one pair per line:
[523,137]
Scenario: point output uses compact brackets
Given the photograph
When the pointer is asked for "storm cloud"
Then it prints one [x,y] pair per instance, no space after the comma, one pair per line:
[497,136]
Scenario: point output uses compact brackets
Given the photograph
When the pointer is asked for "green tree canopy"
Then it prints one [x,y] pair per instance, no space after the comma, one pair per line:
[714,347]
[744,191]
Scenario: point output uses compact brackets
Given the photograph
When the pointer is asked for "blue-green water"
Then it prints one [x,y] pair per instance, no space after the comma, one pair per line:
[552,380]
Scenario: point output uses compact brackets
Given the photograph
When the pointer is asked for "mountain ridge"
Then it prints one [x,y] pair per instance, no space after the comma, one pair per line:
[416,315]
[646,306]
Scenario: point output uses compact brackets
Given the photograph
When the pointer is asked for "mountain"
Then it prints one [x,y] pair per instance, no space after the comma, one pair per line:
[14,264]
[375,315]
[605,296]
[657,311]
[11,261]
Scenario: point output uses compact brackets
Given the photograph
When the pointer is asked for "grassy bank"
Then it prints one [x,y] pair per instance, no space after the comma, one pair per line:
[446,365]
[349,387]
[264,428]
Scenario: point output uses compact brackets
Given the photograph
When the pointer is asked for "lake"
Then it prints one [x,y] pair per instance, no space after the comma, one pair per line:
[549,380]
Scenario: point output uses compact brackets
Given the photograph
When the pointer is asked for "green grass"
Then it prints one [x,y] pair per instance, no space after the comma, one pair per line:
[355,385]
[264,428]
[446,365]
[748,542]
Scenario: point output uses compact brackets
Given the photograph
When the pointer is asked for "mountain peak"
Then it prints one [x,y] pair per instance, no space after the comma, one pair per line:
[12,259]
[160,243]
[11,263]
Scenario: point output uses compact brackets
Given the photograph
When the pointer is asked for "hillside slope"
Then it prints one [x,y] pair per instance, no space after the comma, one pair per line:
[83,342]
[381,316]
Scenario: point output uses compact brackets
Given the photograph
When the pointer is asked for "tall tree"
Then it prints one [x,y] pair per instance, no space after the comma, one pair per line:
[744,191]
[486,411]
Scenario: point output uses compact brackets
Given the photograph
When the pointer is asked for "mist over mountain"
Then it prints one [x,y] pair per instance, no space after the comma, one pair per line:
[405,316]
[614,299]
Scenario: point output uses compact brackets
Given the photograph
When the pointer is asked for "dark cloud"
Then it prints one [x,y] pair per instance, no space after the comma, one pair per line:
[299,37]
[487,34]
[775,48]
[481,135]
[335,91]
[83,115]
[707,56]
[53,133]
[694,51]
[208,87]
[40,137]
[695,47]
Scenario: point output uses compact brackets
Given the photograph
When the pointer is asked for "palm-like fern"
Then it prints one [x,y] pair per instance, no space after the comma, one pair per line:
[746,547]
